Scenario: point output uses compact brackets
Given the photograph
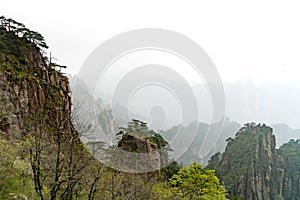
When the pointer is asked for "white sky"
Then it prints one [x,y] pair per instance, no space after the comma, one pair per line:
[254,39]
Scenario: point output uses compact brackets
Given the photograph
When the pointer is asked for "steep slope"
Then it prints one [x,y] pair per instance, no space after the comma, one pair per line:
[28,86]
[291,154]
[45,153]
[250,167]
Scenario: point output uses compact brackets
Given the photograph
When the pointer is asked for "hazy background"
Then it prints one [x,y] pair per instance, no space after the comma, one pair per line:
[254,45]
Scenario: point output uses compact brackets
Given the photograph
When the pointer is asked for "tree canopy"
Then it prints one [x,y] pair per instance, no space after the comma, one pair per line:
[21,31]
[192,183]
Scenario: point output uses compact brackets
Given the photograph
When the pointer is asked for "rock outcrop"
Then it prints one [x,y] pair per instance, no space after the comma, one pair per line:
[29,87]
[145,153]
[47,160]
[291,184]
[250,167]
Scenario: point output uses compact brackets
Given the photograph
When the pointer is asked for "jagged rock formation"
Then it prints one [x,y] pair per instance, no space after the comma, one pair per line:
[48,160]
[137,144]
[250,167]
[146,151]
[28,87]
[139,149]
[291,183]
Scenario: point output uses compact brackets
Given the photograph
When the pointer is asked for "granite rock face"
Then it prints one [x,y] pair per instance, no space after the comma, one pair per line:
[291,154]
[142,153]
[250,167]
[30,88]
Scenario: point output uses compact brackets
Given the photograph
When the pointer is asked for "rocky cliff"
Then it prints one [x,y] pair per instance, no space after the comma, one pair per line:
[138,149]
[47,159]
[250,167]
[146,155]
[28,87]
[291,183]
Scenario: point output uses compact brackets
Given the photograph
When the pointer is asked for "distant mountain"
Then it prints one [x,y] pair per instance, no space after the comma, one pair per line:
[270,102]
[103,119]
[284,133]
[208,139]
[88,111]
[195,141]
[173,95]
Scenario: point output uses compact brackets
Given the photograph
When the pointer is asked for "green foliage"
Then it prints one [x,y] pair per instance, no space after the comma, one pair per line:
[232,197]
[17,40]
[159,140]
[192,183]
[247,157]
[170,170]
[291,154]
[9,43]
[15,172]
[21,31]
[2,44]
[136,128]
[241,152]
